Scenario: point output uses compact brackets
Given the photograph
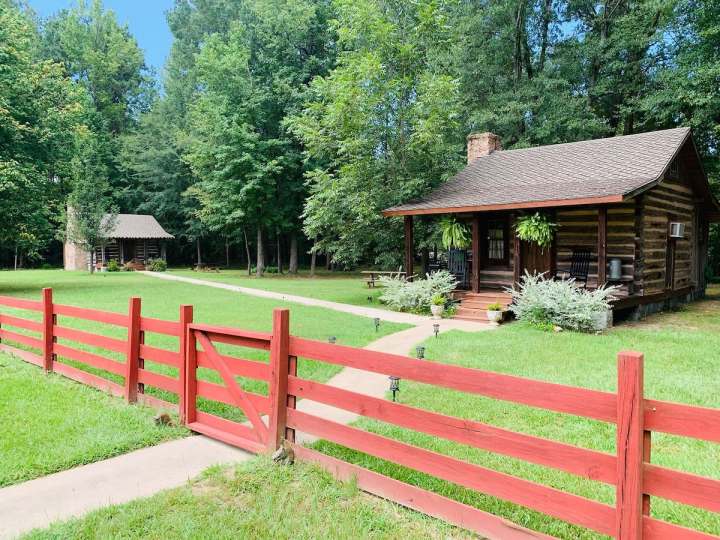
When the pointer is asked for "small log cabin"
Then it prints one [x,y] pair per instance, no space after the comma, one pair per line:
[134,238]
[639,205]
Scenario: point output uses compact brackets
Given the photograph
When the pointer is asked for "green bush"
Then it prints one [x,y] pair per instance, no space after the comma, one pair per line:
[156,265]
[543,302]
[417,295]
[268,269]
[494,307]
[113,266]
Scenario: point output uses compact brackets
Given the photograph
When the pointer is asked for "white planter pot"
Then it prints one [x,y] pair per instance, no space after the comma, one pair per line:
[437,311]
[603,320]
[494,316]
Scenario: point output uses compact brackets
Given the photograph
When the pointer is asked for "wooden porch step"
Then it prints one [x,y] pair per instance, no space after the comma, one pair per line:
[483,304]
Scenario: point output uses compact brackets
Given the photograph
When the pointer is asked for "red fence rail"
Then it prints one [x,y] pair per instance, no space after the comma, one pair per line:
[277,416]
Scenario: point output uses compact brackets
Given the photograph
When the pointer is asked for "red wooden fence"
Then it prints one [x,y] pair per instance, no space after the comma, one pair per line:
[277,416]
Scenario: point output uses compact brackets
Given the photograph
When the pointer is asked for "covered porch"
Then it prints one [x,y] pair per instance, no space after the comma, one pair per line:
[587,236]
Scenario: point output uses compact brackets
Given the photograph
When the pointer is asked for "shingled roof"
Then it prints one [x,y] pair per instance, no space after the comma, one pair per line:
[138,226]
[596,171]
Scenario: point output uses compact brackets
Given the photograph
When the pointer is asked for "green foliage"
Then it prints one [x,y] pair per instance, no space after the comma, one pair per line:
[113,266]
[157,265]
[536,228]
[41,117]
[455,235]
[418,295]
[560,303]
[381,128]
[495,307]
[438,300]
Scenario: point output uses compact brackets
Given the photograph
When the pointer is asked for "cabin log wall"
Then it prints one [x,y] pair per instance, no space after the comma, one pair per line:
[671,201]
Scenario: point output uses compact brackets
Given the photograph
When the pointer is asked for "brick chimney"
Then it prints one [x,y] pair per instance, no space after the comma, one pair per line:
[481,144]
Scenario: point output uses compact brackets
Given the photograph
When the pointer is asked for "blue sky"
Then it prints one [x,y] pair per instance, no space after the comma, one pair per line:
[145,18]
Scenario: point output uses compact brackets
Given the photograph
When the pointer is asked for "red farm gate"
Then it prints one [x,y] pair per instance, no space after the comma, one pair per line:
[266,417]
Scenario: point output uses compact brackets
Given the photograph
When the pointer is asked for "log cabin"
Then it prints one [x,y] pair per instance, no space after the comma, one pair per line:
[135,238]
[637,206]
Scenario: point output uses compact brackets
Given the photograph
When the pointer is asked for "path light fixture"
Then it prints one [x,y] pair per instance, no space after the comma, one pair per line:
[370,299]
[377,323]
[436,329]
[332,340]
[420,352]
[394,386]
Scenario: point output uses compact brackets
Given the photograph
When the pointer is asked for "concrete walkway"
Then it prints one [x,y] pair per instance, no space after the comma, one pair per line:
[385,315]
[77,491]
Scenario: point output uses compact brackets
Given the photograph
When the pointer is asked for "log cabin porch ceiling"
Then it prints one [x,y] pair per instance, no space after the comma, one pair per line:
[607,196]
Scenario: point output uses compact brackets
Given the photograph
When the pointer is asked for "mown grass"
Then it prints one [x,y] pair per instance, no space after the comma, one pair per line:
[162,299]
[344,287]
[51,423]
[682,360]
[256,499]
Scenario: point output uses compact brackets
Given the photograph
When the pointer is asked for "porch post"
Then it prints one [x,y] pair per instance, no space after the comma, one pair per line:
[409,247]
[121,241]
[602,246]
[476,254]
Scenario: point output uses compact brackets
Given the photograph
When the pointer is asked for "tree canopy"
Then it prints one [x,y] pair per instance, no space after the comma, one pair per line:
[286,126]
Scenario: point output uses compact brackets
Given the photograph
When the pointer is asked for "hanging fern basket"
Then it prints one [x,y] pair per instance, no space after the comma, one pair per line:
[536,228]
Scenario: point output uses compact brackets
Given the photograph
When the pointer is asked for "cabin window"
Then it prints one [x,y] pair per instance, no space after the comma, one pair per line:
[497,242]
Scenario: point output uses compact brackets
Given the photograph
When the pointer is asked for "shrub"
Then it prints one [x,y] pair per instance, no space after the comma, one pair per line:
[541,302]
[438,300]
[156,265]
[495,307]
[417,295]
[113,266]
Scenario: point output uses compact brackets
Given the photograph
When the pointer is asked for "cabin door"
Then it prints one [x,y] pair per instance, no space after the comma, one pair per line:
[534,259]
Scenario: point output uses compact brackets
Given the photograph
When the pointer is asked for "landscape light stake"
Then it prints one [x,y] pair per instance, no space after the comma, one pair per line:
[332,340]
[377,323]
[394,386]
[436,329]
[420,352]
[370,299]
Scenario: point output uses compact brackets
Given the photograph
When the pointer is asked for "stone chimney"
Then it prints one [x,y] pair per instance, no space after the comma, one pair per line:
[481,144]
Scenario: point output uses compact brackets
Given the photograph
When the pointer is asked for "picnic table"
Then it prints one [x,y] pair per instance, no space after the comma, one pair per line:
[372,276]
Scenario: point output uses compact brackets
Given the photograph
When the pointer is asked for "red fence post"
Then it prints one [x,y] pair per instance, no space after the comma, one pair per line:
[47,311]
[190,388]
[133,350]
[630,447]
[279,366]
[186,317]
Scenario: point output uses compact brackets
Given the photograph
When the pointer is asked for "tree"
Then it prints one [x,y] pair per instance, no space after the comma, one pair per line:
[381,128]
[104,58]
[90,214]
[41,114]
[249,167]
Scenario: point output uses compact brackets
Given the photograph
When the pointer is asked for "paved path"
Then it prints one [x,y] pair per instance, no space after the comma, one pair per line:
[75,492]
[385,315]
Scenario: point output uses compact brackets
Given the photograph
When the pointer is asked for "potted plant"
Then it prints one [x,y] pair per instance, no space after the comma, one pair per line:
[437,306]
[495,313]
[536,228]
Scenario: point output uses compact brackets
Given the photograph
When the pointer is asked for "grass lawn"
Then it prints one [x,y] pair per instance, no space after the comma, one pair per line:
[160,299]
[682,362]
[51,423]
[256,499]
[345,287]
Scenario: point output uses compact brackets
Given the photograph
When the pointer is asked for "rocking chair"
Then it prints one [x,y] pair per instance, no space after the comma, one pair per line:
[579,266]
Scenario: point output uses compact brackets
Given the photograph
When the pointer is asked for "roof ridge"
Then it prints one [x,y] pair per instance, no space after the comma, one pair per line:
[583,142]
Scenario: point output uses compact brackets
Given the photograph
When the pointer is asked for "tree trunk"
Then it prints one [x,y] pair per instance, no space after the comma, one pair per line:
[279,251]
[16,258]
[199,259]
[260,267]
[247,252]
[227,253]
[327,261]
[92,260]
[293,265]
[313,261]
